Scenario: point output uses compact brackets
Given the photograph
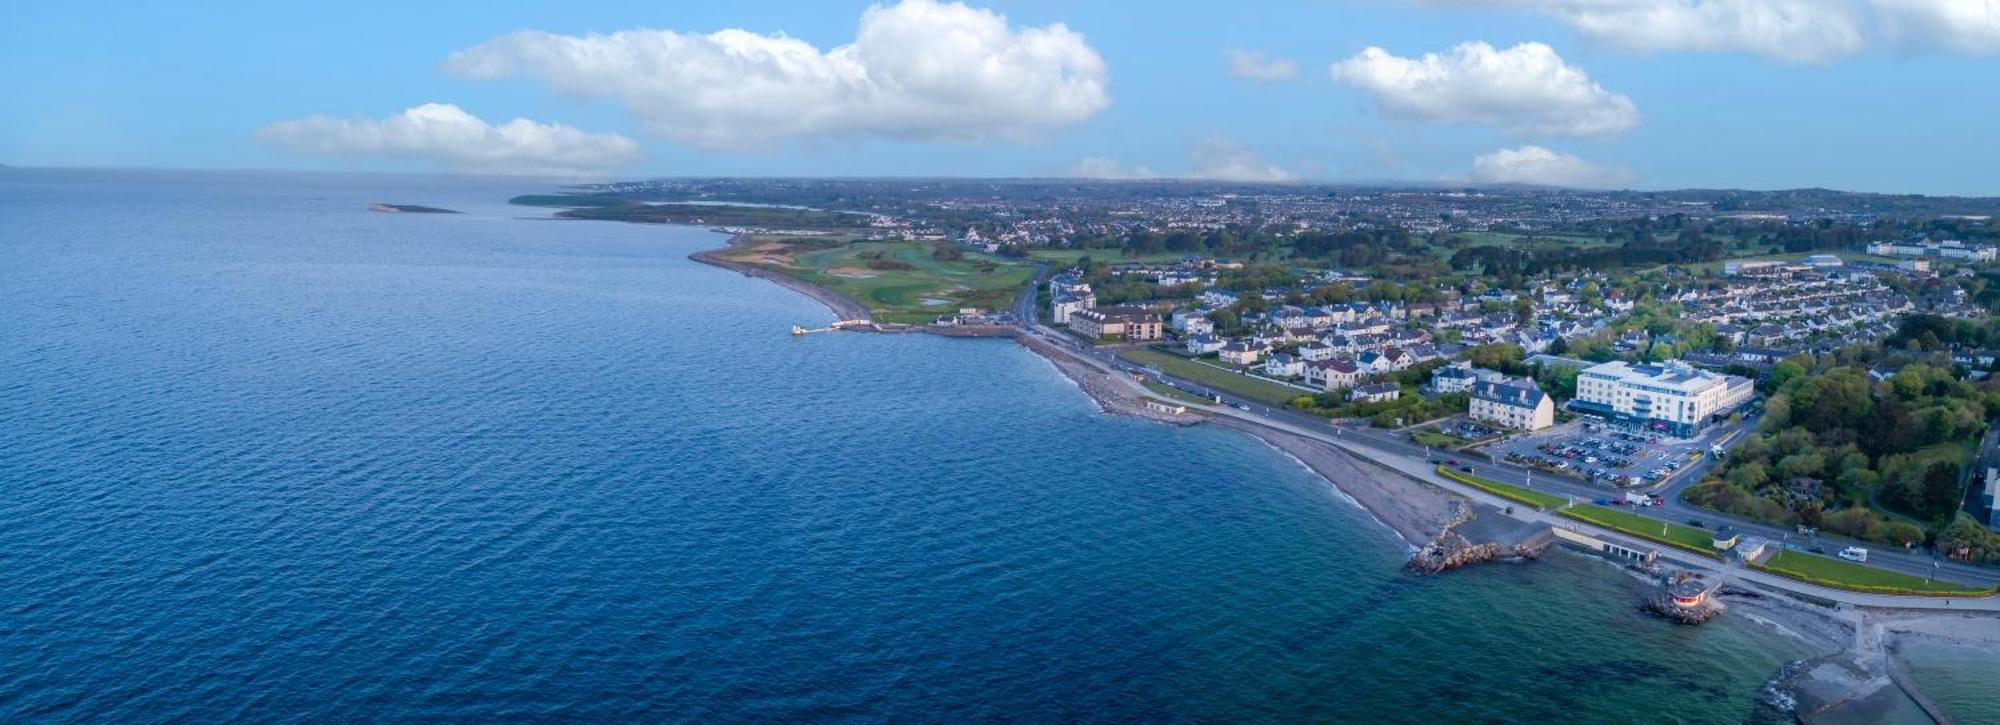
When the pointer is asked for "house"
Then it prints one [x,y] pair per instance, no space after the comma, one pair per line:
[1317,351]
[1130,323]
[1284,365]
[1459,377]
[1333,374]
[1511,403]
[1199,345]
[1068,303]
[1375,393]
[1241,353]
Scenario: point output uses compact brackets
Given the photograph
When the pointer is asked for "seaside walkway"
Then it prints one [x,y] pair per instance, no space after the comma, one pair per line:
[1422,471]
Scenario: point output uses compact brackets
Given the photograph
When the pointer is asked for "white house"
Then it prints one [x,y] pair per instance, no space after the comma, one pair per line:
[1375,393]
[1241,353]
[1203,344]
[1331,375]
[1512,403]
[1284,365]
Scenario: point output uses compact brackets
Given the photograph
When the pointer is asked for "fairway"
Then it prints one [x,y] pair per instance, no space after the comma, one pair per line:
[1842,574]
[1224,380]
[898,281]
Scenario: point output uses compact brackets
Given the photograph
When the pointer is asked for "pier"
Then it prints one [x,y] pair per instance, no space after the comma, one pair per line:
[861,325]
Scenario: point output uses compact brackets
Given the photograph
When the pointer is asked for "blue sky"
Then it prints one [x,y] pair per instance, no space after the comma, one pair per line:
[1723,101]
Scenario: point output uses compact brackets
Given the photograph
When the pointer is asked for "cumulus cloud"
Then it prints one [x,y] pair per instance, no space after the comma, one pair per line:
[920,69]
[1545,167]
[1255,66]
[1216,158]
[1968,26]
[1224,159]
[446,134]
[1108,169]
[1797,31]
[1526,90]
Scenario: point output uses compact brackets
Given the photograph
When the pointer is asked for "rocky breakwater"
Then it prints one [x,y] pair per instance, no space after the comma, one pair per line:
[1452,549]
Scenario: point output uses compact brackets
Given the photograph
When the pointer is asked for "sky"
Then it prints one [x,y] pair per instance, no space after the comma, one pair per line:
[1867,95]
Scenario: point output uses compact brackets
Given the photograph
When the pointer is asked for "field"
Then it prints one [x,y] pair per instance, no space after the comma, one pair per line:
[898,281]
[1686,538]
[1214,377]
[1537,499]
[1177,394]
[1841,574]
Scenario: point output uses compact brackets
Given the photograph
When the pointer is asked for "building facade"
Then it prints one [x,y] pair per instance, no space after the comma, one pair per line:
[1512,404]
[1670,396]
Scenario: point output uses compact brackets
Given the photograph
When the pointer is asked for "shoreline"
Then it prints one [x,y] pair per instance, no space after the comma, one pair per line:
[842,306]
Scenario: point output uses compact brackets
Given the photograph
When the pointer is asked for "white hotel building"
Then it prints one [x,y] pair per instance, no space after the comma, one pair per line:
[1670,396]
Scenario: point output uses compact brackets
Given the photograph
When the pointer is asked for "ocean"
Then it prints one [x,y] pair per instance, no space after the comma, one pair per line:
[268,455]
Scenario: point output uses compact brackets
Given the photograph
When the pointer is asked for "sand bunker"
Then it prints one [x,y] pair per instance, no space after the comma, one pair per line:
[852,272]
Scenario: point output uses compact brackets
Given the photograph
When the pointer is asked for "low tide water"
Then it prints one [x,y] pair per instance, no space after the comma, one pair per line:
[265,454]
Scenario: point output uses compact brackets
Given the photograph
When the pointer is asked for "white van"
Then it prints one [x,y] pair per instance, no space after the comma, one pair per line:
[1854,553]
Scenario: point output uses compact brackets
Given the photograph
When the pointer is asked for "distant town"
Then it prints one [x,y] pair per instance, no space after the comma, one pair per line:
[1801,378]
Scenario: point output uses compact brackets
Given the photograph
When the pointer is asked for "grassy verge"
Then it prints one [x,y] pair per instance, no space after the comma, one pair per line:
[1517,494]
[1214,377]
[1436,440]
[1168,391]
[1841,574]
[1685,538]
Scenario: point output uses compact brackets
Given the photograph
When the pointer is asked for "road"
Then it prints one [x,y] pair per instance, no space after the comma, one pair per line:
[1386,445]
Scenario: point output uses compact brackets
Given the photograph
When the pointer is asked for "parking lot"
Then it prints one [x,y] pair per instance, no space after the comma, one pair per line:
[1608,456]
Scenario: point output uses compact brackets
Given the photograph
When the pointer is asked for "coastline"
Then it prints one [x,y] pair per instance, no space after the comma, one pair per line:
[843,307]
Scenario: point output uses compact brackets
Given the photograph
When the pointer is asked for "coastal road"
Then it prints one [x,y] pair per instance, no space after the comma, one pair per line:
[1385,445]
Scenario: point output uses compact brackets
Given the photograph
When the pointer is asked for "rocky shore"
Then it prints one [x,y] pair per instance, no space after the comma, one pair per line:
[1417,512]
[843,306]
[1098,384]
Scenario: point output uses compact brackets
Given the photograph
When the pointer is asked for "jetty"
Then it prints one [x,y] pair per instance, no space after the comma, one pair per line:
[858,325]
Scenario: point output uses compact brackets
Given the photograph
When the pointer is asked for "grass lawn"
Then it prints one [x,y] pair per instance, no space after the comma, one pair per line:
[1686,538]
[897,281]
[1435,439]
[1214,377]
[1517,494]
[1173,393]
[1842,574]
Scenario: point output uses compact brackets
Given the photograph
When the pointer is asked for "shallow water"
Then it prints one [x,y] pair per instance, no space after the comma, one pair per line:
[270,455]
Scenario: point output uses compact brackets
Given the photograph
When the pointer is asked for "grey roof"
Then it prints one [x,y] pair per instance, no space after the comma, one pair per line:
[1521,394]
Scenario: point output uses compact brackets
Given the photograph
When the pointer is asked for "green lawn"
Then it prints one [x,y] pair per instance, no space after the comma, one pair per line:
[1843,574]
[897,281]
[1686,538]
[1173,393]
[1214,377]
[1517,494]
[1435,439]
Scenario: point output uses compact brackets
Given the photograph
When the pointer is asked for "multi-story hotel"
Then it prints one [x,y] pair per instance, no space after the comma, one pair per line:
[1669,396]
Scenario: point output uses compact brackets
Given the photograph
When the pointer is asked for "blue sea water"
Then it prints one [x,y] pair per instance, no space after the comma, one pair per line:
[267,455]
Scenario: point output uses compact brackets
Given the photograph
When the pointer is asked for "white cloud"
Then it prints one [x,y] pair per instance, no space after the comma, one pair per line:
[1526,90]
[1099,167]
[1968,26]
[1216,158]
[1797,31]
[916,70]
[1803,31]
[1544,167]
[446,134]
[1255,66]
[1224,159]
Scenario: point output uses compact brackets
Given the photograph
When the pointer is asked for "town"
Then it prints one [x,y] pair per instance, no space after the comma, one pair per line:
[1677,355]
